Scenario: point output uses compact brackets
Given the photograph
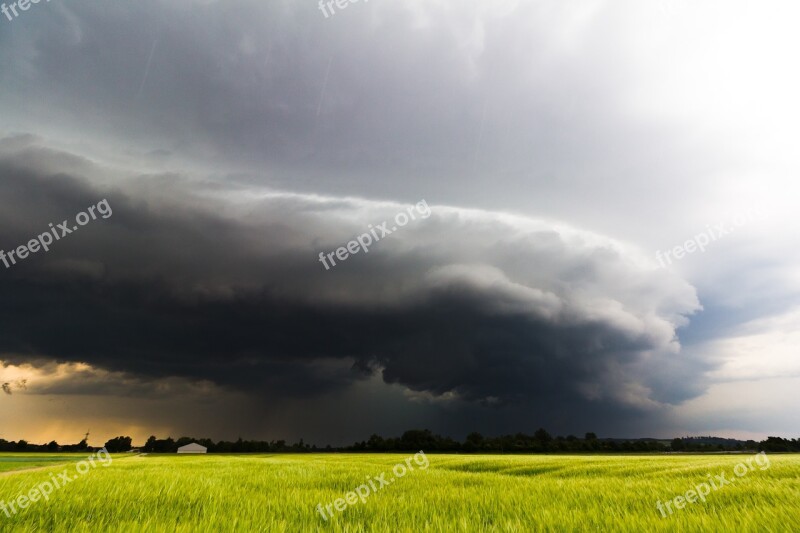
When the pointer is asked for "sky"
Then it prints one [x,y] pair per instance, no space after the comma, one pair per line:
[580,216]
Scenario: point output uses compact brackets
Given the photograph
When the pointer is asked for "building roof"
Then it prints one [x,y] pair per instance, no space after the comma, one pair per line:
[193,446]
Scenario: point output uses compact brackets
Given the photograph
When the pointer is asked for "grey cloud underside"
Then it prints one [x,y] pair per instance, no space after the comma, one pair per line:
[190,280]
[329,105]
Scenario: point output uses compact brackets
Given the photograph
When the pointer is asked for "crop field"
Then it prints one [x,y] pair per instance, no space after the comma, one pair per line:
[24,461]
[401,493]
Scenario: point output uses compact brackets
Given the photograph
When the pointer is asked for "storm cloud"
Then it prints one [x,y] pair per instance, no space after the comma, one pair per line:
[558,146]
[192,280]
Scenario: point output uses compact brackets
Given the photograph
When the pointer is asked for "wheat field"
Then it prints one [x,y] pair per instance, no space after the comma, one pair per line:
[160,493]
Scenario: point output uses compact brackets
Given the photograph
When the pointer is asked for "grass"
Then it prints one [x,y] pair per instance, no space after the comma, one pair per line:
[162,493]
[22,461]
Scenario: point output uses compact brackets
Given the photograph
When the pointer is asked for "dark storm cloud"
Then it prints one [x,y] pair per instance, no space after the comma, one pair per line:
[640,123]
[190,280]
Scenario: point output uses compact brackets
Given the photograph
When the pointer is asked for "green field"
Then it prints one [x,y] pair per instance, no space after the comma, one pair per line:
[23,461]
[455,493]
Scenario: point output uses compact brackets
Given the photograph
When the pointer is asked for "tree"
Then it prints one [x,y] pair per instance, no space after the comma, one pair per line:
[475,438]
[375,443]
[474,442]
[542,436]
[183,441]
[154,445]
[118,445]
[166,446]
[590,436]
[415,439]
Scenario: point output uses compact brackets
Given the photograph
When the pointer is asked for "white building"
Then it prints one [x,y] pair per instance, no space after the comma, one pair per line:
[192,448]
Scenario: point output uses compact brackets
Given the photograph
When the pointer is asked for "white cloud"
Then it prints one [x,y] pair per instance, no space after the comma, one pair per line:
[762,349]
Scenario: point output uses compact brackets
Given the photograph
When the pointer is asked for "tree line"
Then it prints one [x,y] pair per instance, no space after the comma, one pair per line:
[414,440]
